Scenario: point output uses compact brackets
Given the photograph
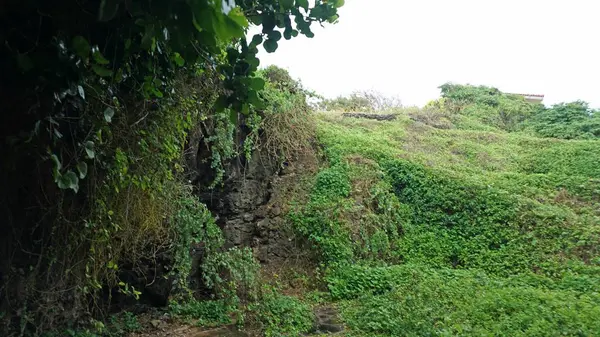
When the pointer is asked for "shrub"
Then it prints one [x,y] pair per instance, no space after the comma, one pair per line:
[574,120]
[490,105]
[285,127]
[206,313]
[281,315]
[367,100]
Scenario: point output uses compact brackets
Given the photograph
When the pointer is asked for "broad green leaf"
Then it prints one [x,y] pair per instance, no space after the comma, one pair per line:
[108,9]
[338,3]
[57,167]
[287,4]
[232,55]
[302,4]
[56,161]
[287,34]
[256,19]
[148,39]
[108,114]
[83,169]
[205,17]
[257,39]
[318,11]
[101,71]
[178,59]
[81,46]
[253,62]
[69,180]
[270,46]
[254,99]
[99,58]
[89,149]
[268,22]
[257,83]
[233,116]
[221,103]
[275,35]
[238,17]
[62,182]
[245,109]
[287,22]
[231,29]
[119,76]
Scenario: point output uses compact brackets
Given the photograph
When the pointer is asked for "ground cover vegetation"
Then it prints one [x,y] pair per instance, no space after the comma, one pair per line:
[475,215]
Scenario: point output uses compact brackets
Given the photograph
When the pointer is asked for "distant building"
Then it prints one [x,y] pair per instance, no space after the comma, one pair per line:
[532,98]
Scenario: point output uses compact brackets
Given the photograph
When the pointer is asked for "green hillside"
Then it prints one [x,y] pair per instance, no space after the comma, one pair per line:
[158,180]
[442,222]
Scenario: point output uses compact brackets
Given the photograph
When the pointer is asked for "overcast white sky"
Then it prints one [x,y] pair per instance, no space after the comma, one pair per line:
[409,48]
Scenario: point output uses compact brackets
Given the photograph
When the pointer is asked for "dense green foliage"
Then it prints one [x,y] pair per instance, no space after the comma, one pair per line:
[107,101]
[489,105]
[280,315]
[416,300]
[493,108]
[361,101]
[460,227]
[573,120]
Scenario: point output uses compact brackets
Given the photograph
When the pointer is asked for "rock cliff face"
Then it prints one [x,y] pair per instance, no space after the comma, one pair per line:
[250,207]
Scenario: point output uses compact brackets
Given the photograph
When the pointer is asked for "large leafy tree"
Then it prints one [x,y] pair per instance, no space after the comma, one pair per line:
[142,40]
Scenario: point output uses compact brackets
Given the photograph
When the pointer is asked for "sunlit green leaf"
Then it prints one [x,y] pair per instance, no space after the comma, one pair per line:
[178,59]
[232,29]
[238,17]
[338,3]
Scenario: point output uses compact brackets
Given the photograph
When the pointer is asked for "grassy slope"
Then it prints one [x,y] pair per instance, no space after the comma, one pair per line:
[467,231]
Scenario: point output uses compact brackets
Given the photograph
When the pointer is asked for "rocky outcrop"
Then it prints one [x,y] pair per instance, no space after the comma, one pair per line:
[250,206]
